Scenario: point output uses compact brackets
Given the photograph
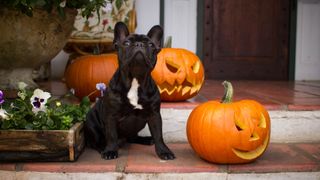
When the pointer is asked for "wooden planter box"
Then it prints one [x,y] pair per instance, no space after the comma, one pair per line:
[42,145]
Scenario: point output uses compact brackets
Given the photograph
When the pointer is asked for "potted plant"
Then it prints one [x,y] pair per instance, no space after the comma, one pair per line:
[38,127]
[33,32]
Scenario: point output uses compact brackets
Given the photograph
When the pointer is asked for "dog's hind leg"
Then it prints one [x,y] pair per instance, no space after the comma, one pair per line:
[94,128]
[94,139]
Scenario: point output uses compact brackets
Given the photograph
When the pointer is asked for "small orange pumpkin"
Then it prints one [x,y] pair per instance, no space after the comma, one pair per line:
[229,132]
[178,73]
[85,72]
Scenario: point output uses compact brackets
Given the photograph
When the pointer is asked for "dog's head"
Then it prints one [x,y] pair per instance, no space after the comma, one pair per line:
[137,53]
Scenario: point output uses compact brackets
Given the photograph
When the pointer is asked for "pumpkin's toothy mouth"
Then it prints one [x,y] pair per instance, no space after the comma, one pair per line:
[183,88]
[249,155]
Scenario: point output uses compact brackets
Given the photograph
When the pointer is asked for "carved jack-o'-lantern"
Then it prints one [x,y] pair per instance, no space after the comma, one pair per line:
[178,73]
[229,132]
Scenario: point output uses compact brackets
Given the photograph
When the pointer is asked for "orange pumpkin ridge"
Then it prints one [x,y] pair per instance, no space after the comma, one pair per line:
[229,132]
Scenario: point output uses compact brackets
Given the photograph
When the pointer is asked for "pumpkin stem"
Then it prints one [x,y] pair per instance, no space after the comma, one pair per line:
[168,43]
[96,50]
[228,92]
[92,93]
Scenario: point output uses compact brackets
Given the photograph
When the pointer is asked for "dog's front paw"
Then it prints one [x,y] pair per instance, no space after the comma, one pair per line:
[109,155]
[166,156]
[164,152]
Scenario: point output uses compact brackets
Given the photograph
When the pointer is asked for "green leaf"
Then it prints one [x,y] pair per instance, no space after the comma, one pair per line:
[119,4]
[28,126]
[26,6]
[85,101]
[61,12]
[50,123]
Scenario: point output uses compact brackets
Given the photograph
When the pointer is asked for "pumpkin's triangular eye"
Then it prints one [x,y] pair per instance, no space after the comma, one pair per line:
[196,67]
[171,66]
[262,122]
[239,125]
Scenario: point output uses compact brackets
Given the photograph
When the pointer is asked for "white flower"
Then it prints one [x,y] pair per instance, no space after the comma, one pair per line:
[22,95]
[63,4]
[12,105]
[39,100]
[22,85]
[3,114]
[22,90]
[72,91]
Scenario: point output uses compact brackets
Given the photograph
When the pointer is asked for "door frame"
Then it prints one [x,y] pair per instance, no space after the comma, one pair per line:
[292,38]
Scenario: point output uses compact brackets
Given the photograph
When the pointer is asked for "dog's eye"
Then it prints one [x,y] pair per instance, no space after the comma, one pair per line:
[126,43]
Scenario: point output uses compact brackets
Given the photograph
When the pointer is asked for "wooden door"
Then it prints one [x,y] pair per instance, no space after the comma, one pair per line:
[246,39]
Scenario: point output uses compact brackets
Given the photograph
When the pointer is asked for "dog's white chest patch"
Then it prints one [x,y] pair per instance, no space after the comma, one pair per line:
[133,94]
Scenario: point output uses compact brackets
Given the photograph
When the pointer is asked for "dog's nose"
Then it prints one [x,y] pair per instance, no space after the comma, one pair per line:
[139,44]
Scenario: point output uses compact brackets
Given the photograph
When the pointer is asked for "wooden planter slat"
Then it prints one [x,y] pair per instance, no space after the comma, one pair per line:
[42,145]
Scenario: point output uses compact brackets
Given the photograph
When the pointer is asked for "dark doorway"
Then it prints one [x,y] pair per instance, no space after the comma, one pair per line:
[246,39]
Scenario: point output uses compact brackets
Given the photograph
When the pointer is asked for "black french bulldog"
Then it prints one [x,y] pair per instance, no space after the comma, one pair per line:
[132,99]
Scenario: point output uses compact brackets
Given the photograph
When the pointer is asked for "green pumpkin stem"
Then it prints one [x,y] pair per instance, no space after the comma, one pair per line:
[228,92]
[96,50]
[168,43]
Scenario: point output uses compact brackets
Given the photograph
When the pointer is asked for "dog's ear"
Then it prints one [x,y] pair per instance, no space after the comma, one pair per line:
[120,33]
[155,34]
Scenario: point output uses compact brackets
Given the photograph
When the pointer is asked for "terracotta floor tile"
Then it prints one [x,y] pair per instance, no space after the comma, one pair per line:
[278,158]
[314,90]
[8,166]
[89,161]
[305,101]
[309,83]
[179,105]
[303,107]
[311,150]
[138,158]
[144,159]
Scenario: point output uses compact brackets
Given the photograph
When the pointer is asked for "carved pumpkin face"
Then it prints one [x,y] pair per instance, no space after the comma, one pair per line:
[254,126]
[236,132]
[178,73]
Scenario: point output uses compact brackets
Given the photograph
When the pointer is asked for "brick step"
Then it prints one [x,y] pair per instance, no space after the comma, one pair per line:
[280,161]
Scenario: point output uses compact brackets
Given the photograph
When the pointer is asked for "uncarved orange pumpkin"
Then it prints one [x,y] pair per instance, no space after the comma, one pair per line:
[85,72]
[178,73]
[229,132]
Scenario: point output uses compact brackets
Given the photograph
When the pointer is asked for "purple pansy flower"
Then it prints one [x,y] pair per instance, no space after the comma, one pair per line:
[1,97]
[101,87]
